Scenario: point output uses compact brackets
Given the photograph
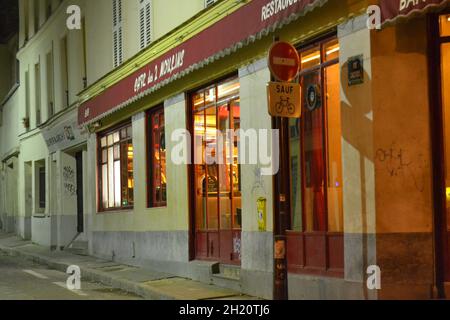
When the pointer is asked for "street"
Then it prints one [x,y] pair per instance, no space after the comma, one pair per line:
[24,280]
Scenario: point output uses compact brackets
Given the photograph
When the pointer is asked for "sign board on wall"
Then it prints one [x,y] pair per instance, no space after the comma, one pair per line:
[237,29]
[63,135]
[355,70]
[284,99]
[391,10]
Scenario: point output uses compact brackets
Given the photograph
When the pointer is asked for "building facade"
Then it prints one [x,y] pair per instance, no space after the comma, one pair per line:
[360,177]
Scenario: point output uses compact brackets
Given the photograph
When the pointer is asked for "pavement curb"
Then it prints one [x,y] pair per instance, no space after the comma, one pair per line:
[91,275]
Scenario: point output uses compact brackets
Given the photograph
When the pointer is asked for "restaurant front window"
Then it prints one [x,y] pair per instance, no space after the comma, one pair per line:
[116,180]
[315,241]
[157,180]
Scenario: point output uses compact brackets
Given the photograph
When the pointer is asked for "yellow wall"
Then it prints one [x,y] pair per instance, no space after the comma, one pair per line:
[169,14]
[402,128]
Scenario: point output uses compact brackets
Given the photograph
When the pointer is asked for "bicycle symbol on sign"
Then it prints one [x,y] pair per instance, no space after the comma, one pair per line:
[285,104]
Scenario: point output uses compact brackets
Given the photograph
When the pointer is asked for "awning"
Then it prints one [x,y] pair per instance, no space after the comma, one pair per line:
[242,27]
[394,10]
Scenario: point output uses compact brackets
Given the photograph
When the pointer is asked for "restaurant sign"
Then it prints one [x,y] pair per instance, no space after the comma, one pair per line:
[391,10]
[63,135]
[247,24]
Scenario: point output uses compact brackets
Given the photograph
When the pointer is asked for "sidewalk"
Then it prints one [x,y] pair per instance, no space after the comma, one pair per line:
[149,284]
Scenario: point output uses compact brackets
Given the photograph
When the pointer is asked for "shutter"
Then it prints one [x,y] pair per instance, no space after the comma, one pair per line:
[148,22]
[209,3]
[115,48]
[117,33]
[120,46]
[145,19]
[142,27]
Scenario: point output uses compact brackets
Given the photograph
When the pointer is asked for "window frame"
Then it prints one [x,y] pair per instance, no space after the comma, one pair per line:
[100,163]
[320,68]
[151,203]
[317,253]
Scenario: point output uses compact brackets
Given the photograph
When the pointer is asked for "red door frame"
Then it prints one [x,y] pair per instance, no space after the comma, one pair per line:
[318,252]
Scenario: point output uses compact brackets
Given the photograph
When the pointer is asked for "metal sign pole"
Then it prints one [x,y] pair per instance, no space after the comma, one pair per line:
[281,213]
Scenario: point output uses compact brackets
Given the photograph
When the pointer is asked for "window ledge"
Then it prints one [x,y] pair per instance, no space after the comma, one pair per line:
[116,211]
[155,210]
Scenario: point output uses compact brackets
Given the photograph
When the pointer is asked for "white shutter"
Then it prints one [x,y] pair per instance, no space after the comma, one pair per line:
[117,33]
[145,20]
[209,3]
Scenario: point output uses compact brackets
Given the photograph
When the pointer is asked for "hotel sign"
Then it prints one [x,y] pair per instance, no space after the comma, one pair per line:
[240,28]
[392,10]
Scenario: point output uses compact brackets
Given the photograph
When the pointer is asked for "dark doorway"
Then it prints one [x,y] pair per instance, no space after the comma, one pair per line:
[80,211]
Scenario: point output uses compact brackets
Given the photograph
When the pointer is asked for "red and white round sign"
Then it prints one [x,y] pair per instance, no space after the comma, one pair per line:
[284,61]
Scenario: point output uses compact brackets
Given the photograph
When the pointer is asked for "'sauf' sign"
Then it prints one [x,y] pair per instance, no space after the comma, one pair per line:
[284,99]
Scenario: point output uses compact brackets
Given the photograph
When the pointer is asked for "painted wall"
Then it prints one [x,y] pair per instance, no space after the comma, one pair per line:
[357,153]
[168,14]
[402,157]
[99,25]
[41,224]
[257,245]
[9,141]
[48,39]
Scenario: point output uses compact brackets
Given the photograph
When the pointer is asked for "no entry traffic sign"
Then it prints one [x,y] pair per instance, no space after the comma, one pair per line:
[284,61]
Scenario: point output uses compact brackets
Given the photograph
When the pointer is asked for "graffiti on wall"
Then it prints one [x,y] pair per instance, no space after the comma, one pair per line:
[399,163]
[69,181]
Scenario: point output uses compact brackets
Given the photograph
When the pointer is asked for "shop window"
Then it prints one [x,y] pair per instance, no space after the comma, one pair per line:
[116,180]
[444,23]
[316,164]
[157,181]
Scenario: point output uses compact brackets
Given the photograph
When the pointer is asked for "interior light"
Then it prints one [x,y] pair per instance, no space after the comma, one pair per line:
[229,90]
[315,57]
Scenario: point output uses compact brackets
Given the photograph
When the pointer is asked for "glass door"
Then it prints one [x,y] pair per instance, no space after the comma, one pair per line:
[217,196]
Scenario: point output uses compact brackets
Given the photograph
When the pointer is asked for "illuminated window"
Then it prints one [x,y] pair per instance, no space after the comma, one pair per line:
[157,181]
[315,143]
[444,25]
[316,239]
[116,180]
